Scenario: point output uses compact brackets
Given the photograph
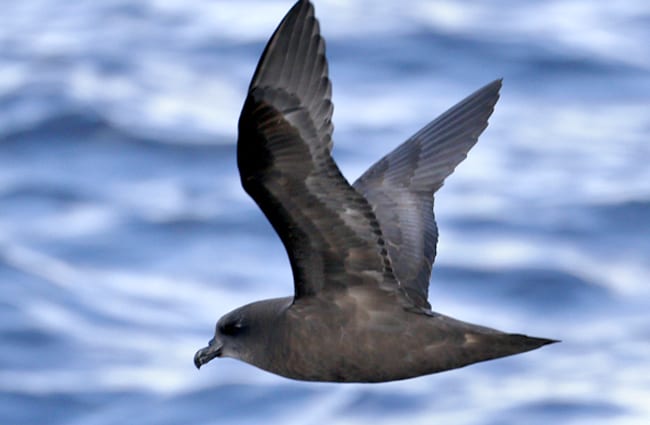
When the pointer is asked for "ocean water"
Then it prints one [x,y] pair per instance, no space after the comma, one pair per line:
[124,233]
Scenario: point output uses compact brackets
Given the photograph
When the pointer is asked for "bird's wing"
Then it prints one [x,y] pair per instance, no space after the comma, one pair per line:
[285,138]
[401,185]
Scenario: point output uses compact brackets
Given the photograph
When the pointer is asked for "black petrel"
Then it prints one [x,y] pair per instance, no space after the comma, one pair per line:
[361,254]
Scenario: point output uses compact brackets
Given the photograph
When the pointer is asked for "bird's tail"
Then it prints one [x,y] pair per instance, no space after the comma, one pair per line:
[480,347]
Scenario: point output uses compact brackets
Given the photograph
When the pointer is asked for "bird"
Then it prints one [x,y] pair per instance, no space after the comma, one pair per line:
[361,254]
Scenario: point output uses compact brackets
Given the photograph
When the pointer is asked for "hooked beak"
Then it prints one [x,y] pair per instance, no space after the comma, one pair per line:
[206,354]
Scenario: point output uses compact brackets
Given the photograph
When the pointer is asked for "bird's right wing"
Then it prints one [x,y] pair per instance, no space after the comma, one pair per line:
[401,185]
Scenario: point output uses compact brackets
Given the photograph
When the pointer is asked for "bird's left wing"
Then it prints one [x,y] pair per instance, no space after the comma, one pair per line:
[284,156]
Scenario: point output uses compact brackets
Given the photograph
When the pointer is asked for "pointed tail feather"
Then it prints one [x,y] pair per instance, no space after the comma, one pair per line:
[481,347]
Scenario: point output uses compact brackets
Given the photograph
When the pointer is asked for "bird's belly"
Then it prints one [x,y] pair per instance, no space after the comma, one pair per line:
[370,350]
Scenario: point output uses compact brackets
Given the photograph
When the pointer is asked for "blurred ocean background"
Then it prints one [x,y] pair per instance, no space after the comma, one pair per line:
[125,235]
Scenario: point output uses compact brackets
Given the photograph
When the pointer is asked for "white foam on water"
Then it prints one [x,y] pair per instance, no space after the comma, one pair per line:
[157,92]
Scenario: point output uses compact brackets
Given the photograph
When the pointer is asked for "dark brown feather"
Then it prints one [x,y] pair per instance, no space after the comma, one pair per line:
[331,235]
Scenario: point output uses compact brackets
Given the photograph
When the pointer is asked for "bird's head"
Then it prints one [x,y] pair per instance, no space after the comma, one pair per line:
[229,337]
[242,333]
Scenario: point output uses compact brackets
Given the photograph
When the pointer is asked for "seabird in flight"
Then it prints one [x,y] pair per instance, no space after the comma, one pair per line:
[361,254]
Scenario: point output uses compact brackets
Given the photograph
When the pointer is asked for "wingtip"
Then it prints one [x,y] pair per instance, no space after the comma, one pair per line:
[492,90]
[301,3]
[276,63]
[489,92]
[494,85]
[297,8]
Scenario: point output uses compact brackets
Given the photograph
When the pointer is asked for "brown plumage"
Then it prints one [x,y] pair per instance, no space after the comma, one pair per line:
[361,254]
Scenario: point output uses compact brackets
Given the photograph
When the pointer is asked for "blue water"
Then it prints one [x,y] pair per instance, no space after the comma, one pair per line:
[124,233]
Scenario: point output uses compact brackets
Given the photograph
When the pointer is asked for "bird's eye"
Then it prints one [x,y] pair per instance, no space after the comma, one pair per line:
[231,328]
